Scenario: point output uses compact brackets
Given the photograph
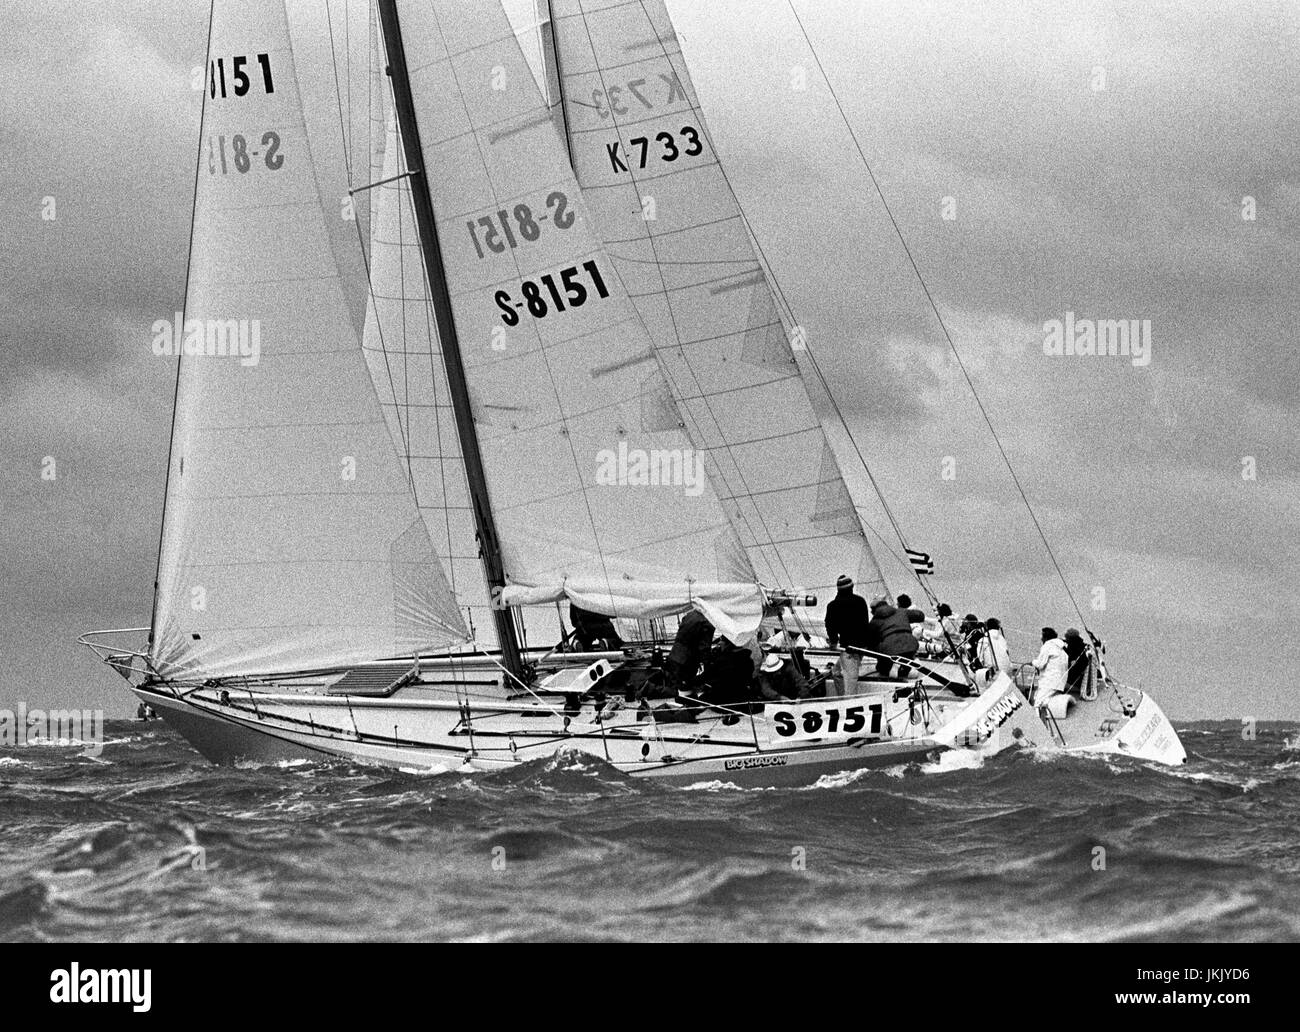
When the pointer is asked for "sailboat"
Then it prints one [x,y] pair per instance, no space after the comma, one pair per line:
[565,378]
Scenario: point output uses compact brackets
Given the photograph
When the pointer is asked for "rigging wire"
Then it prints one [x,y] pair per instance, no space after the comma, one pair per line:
[764,539]
[176,390]
[401,407]
[937,314]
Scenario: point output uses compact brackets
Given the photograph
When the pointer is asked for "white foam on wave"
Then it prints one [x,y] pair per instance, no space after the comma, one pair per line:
[839,779]
[277,764]
[1246,784]
[716,786]
[954,759]
[12,761]
[570,758]
[848,777]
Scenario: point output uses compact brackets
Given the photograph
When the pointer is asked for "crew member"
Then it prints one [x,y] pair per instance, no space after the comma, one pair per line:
[1051,664]
[992,649]
[847,617]
[728,674]
[779,679]
[593,630]
[890,635]
[914,615]
[1076,654]
[939,636]
[689,651]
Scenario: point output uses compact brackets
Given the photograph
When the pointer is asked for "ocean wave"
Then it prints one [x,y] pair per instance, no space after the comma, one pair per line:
[158,844]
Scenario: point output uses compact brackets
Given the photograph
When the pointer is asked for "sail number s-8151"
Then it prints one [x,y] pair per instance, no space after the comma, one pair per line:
[501,229]
[543,295]
[828,721]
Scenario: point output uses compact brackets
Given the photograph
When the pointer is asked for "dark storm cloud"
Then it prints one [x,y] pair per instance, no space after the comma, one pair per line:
[1124,202]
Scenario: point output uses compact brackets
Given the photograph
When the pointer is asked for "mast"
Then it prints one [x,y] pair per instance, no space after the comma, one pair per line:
[489,546]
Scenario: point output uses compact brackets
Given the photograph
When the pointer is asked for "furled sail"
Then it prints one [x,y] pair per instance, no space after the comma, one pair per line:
[660,198]
[291,540]
[594,483]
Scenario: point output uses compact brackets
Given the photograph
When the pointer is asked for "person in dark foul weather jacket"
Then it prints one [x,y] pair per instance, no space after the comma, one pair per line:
[593,630]
[890,635]
[690,649]
[847,617]
[779,679]
[1077,660]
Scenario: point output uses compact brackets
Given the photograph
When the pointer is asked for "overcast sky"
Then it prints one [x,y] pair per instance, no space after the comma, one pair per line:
[1119,202]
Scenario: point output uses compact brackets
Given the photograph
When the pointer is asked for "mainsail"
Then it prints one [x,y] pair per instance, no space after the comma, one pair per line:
[291,540]
[660,199]
[594,482]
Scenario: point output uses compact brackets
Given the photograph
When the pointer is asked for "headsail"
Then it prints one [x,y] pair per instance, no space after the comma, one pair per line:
[291,540]
[660,198]
[593,480]
[405,359]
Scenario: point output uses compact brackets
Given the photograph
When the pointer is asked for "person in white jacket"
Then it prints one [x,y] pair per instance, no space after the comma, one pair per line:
[993,653]
[1051,664]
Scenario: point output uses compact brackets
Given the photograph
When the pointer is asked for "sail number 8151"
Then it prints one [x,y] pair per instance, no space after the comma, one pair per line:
[540,304]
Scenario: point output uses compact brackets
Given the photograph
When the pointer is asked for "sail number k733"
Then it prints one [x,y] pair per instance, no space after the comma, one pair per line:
[667,147]
[544,295]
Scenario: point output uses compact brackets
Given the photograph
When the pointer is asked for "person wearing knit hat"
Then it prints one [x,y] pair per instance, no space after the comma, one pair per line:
[914,615]
[847,617]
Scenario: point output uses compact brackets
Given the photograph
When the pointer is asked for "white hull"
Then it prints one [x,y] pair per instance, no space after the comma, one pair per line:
[1127,723]
[1099,727]
[427,727]
[455,717]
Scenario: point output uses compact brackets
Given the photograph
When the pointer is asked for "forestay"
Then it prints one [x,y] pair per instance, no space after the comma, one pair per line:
[659,196]
[291,540]
[405,359]
[593,480]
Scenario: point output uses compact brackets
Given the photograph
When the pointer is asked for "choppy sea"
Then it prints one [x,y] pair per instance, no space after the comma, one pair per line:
[147,841]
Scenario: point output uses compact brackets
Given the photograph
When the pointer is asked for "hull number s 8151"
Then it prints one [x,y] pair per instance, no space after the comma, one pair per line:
[826,721]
